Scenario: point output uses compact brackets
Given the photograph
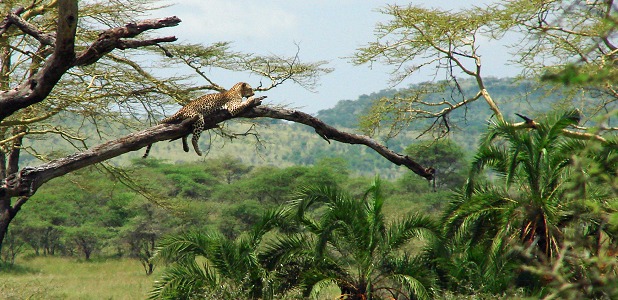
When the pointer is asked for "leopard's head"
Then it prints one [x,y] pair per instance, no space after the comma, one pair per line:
[244,89]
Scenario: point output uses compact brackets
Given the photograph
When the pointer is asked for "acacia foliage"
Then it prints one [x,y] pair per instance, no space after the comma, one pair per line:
[551,37]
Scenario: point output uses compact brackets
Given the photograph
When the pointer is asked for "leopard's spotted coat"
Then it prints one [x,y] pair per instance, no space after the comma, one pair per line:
[207,104]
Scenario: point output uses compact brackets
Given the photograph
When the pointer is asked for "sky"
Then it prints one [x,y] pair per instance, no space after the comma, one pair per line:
[325,30]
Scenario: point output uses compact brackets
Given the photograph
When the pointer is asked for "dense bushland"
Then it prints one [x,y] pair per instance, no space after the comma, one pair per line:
[93,213]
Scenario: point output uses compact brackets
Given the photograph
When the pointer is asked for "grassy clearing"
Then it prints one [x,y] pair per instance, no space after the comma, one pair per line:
[52,278]
[68,278]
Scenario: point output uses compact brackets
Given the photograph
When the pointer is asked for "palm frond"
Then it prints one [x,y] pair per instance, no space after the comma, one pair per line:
[319,286]
[283,249]
[233,259]
[271,219]
[412,284]
[182,281]
[186,245]
[312,195]
[373,227]
[466,215]
[413,226]
[552,128]
[491,155]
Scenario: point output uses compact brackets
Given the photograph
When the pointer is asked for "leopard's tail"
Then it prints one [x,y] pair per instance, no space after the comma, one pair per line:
[147,151]
[176,118]
[173,119]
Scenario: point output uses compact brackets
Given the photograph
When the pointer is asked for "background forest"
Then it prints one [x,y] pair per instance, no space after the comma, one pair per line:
[467,187]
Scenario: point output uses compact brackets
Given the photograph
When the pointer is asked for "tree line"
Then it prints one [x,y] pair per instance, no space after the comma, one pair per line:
[90,214]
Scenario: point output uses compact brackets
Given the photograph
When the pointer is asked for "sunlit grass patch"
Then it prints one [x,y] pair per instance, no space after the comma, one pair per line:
[67,278]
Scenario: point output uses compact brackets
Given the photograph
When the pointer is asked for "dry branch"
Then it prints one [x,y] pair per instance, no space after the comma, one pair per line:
[328,132]
[111,39]
[14,19]
[29,179]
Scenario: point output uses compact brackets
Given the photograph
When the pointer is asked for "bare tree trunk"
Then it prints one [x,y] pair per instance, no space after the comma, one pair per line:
[6,216]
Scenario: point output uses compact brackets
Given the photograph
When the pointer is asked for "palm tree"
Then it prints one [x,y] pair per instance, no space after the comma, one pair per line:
[349,243]
[530,200]
[211,264]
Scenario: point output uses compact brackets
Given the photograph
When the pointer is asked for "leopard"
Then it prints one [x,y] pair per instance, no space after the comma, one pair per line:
[231,100]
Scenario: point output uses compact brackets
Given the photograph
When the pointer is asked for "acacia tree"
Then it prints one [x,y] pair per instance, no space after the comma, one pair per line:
[447,157]
[60,62]
[552,35]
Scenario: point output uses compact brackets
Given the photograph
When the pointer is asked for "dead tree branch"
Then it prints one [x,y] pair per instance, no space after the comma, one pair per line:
[328,133]
[112,39]
[29,179]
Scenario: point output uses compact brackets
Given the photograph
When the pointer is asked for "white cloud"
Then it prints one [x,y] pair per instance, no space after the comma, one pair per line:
[231,20]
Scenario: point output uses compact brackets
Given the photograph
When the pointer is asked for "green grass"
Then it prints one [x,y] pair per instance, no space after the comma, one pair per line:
[68,278]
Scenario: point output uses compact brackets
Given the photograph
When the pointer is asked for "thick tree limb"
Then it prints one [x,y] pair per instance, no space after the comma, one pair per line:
[14,19]
[6,22]
[41,83]
[29,179]
[111,39]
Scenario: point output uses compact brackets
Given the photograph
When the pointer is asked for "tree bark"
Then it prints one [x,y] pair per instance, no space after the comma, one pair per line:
[5,217]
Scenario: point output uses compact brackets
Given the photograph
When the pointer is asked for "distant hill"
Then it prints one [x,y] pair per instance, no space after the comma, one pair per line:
[511,95]
[285,144]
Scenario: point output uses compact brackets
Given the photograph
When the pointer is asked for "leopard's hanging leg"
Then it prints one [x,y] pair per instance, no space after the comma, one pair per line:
[185,145]
[198,127]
